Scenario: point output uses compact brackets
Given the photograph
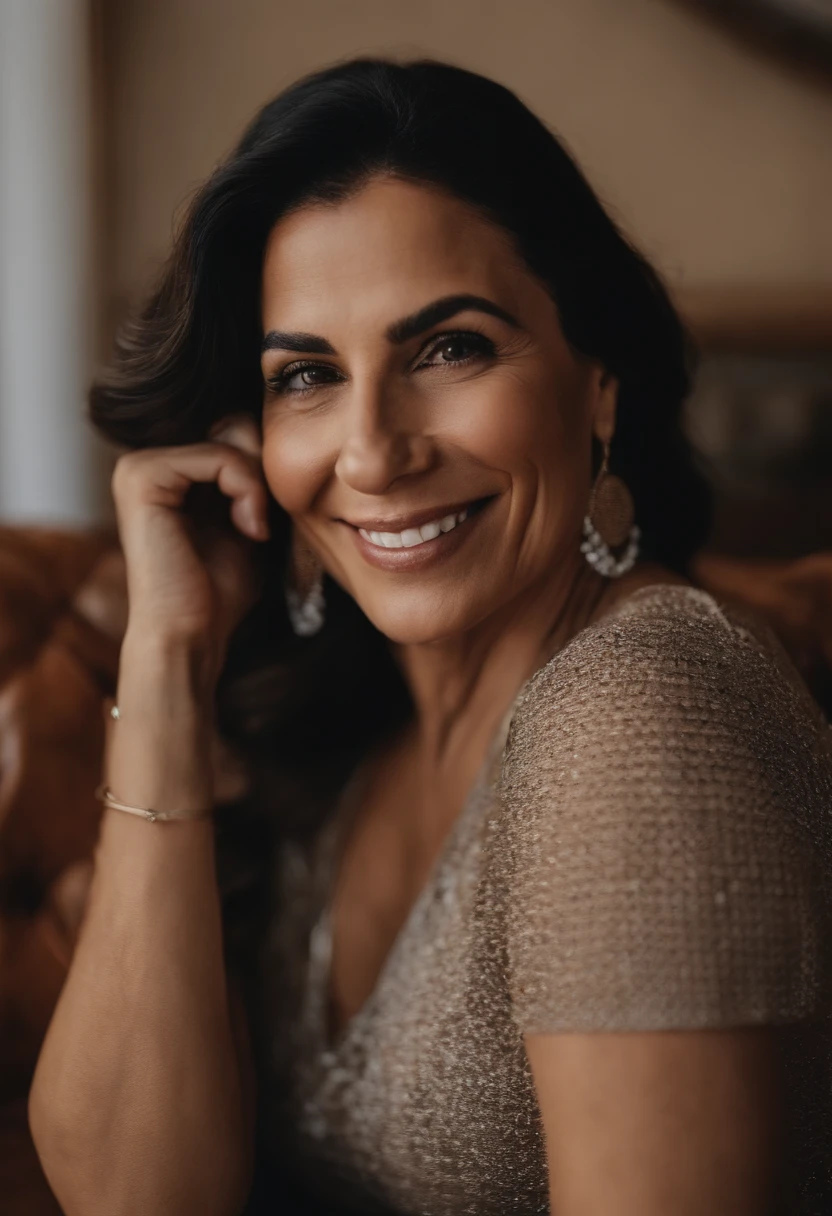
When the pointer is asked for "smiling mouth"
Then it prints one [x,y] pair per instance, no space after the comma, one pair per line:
[410,538]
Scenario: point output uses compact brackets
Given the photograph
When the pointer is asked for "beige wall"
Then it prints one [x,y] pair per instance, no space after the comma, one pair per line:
[716,160]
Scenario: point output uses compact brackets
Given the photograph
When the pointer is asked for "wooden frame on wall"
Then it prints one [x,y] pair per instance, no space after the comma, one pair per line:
[761,416]
[754,318]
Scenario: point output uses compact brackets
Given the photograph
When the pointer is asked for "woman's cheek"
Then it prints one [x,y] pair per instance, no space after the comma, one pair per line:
[514,423]
[295,468]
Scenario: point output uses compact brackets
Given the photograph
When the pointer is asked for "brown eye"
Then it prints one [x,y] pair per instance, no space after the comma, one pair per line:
[459,348]
[309,376]
[302,378]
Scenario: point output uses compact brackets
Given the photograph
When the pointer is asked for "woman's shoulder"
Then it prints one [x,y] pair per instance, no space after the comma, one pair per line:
[669,656]
[671,700]
[666,825]
[660,627]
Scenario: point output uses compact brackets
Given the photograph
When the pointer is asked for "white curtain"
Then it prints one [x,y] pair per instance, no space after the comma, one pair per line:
[47,460]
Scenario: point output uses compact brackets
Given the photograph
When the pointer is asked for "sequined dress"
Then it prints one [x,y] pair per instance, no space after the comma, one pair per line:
[647,847]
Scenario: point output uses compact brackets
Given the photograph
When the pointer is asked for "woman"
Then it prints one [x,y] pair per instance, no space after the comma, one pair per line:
[550,916]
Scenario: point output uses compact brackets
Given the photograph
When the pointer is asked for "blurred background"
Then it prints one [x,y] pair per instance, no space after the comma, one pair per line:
[705,125]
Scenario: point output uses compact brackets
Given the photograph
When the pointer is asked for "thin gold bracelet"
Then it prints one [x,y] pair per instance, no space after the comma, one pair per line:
[106,795]
[108,798]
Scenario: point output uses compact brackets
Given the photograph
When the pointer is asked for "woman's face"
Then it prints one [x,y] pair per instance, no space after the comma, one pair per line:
[425,424]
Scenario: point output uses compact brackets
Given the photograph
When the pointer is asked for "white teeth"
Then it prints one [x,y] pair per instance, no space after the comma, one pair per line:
[414,536]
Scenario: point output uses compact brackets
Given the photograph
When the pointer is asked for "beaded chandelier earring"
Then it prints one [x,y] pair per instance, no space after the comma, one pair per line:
[304,589]
[610,523]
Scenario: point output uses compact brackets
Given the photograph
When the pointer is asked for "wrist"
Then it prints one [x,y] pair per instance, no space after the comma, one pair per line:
[159,752]
[180,670]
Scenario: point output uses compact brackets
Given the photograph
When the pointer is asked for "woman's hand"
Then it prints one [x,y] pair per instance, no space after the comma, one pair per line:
[190,577]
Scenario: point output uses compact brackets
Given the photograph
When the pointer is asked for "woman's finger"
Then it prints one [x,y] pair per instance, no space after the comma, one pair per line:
[240,431]
[163,476]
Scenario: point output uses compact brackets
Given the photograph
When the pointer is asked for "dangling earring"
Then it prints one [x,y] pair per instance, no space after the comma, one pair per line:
[304,589]
[609,522]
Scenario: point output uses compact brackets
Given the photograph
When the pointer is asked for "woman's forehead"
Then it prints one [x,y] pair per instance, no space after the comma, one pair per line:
[383,252]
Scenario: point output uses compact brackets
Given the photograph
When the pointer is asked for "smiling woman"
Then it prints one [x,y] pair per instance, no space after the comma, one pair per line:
[541,831]
[447,412]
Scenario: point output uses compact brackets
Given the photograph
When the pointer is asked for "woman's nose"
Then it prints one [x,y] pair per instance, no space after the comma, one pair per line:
[378,450]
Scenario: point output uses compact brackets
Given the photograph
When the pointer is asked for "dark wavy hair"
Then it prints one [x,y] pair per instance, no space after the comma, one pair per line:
[303,711]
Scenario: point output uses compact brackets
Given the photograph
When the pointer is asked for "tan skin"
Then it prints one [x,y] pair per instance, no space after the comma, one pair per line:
[473,406]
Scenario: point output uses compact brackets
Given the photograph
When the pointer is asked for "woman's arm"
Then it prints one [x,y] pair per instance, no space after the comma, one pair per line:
[663,785]
[141,1101]
[671,1123]
[137,1103]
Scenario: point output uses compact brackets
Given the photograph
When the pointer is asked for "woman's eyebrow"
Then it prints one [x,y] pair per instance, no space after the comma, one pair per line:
[400,331]
[278,339]
[443,310]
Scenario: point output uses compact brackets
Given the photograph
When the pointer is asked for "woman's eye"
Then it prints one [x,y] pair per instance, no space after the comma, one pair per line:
[300,378]
[458,348]
[297,379]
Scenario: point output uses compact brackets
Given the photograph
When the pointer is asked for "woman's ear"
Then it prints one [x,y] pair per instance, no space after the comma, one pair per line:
[605,405]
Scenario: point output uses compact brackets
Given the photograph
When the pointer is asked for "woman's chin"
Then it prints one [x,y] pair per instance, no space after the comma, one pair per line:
[419,624]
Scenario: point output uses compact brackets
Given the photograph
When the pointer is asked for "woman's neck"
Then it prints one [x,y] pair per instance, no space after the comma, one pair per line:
[462,686]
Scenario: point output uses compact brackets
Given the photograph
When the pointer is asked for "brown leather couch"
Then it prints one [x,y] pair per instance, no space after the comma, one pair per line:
[62,616]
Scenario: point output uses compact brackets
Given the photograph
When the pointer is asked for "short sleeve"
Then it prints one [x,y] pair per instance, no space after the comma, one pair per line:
[666,803]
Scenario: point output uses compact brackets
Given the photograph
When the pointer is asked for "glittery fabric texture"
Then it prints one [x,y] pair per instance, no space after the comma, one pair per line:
[647,847]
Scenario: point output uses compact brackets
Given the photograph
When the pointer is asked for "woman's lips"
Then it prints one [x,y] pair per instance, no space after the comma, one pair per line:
[432,545]
[408,538]
[412,519]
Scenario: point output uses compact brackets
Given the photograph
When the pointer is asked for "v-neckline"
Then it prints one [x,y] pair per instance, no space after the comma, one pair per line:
[319,985]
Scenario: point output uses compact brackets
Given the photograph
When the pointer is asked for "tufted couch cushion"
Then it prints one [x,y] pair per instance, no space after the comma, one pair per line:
[62,613]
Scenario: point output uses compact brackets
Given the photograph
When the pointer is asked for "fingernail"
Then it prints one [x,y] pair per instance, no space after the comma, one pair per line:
[259,527]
